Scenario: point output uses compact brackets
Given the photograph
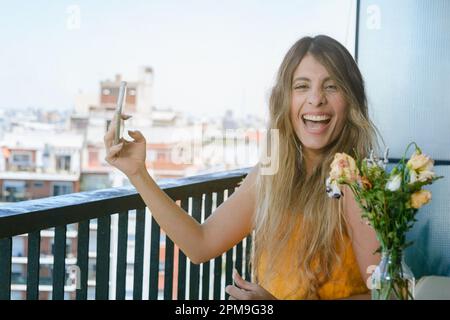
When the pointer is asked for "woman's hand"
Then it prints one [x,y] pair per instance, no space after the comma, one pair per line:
[127,156]
[244,290]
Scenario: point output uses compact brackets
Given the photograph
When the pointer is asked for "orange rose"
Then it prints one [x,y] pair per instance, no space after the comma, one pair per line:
[419,198]
[366,183]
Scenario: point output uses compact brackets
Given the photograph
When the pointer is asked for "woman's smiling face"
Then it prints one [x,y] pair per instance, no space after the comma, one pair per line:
[318,107]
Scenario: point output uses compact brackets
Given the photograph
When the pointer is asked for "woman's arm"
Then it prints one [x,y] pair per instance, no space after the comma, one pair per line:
[228,224]
[364,240]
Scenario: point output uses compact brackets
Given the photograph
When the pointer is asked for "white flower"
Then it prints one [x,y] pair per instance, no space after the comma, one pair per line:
[386,156]
[381,164]
[421,176]
[333,189]
[370,161]
[394,183]
[374,161]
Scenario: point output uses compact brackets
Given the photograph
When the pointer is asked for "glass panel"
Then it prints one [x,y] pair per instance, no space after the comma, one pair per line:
[60,188]
[403,55]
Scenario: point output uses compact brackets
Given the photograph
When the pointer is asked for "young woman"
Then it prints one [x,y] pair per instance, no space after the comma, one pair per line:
[306,245]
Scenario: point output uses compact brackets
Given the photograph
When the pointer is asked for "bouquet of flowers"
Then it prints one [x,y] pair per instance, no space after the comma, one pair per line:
[389,201]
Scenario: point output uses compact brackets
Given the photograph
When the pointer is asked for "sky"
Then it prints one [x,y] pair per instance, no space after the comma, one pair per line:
[207,56]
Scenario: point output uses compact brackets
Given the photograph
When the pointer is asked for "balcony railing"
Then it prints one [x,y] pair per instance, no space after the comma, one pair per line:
[198,195]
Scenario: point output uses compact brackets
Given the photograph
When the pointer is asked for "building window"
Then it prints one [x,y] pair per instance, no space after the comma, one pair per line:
[18,247]
[21,159]
[14,190]
[92,269]
[45,274]
[38,184]
[17,295]
[93,158]
[60,188]
[162,156]
[151,155]
[68,248]
[63,163]
[18,276]
[110,91]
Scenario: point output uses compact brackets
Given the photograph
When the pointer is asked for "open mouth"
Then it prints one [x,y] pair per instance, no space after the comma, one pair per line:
[316,122]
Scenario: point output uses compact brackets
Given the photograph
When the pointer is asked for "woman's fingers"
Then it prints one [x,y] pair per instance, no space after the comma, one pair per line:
[241,283]
[109,136]
[236,293]
[136,135]
[244,290]
[113,151]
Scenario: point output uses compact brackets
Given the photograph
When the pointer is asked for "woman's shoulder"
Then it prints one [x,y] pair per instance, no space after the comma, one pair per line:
[250,180]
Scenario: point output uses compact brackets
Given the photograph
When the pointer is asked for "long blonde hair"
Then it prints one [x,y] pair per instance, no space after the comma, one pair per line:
[290,196]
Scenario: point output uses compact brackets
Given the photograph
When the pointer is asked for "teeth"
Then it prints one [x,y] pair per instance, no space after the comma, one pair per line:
[316,117]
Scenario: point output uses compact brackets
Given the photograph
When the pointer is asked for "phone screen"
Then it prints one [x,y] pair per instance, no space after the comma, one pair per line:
[120,100]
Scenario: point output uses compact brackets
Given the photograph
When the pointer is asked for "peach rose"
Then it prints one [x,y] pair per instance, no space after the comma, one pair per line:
[343,168]
[420,168]
[419,198]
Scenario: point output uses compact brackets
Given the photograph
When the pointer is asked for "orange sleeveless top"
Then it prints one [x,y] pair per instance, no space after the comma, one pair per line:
[345,279]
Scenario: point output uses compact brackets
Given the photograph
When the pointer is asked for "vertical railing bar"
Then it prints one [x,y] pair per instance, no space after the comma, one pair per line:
[229,258]
[169,267]
[181,291]
[139,254]
[357,27]
[206,265]
[240,255]
[34,251]
[248,245]
[168,270]
[194,269]
[154,260]
[218,262]
[239,259]
[59,265]
[5,268]
[122,244]
[103,258]
[83,258]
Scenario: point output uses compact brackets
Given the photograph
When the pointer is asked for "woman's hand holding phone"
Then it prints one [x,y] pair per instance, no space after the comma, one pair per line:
[127,156]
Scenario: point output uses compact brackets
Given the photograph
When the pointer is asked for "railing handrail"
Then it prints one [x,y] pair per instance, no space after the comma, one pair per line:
[32,215]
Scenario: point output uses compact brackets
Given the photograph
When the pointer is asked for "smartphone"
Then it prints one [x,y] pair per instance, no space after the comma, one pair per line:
[120,100]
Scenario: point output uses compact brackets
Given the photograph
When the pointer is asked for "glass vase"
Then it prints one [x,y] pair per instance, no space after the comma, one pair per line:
[392,278]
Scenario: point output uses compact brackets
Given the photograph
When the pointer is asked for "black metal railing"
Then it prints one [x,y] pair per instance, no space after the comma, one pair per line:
[198,195]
